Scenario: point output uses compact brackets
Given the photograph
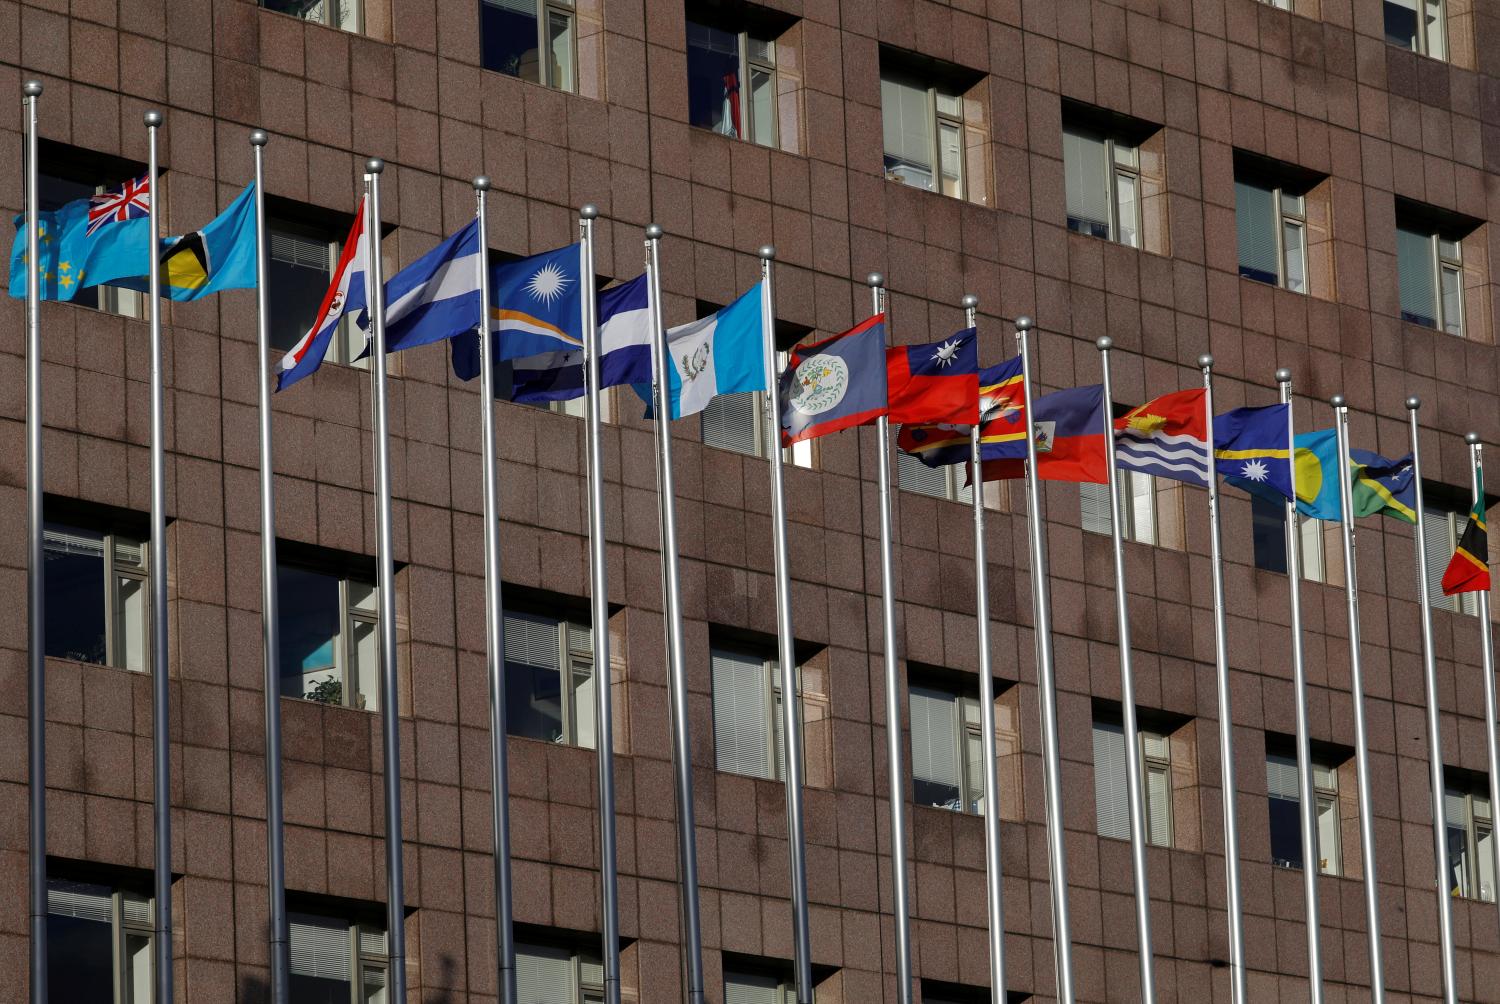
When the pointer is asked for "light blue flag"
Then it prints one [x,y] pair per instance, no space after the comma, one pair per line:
[722,353]
[72,259]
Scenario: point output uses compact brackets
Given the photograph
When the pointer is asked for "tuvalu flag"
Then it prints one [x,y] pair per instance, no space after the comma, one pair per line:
[835,384]
[1002,426]
[1469,571]
[1069,432]
[937,382]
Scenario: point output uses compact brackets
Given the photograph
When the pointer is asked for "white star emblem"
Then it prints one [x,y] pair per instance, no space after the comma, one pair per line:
[548,284]
[945,353]
[1254,471]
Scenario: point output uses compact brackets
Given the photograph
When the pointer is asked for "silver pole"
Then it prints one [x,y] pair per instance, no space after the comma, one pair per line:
[1226,717]
[1134,784]
[270,638]
[494,620]
[1486,645]
[1306,790]
[1434,726]
[677,679]
[599,598]
[390,718]
[161,749]
[36,596]
[791,695]
[1357,697]
[1041,600]
[895,768]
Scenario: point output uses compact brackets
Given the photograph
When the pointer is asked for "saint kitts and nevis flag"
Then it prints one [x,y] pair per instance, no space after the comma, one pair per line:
[1469,571]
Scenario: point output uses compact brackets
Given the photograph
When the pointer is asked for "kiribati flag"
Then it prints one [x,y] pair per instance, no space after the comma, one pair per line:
[1070,441]
[834,384]
[937,382]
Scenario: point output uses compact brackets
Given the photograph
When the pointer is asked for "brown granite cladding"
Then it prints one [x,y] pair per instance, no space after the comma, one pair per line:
[1323,92]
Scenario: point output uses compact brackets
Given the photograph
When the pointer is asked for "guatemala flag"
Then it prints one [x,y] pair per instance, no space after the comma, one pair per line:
[722,353]
[436,296]
[624,351]
[346,295]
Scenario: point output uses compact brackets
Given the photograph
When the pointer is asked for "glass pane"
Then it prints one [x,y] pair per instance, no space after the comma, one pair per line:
[949,104]
[1328,836]
[1293,205]
[74,572]
[1112,807]
[129,553]
[300,271]
[363,596]
[1437,34]
[1255,226]
[1401,23]
[1484,838]
[1127,155]
[1458,862]
[533,702]
[1453,300]
[348,344]
[317,11]
[760,50]
[508,37]
[762,106]
[1268,533]
[364,657]
[1286,833]
[1140,498]
[560,40]
[732,421]
[138,988]
[906,122]
[974,756]
[1086,176]
[951,158]
[1093,503]
[935,767]
[1159,806]
[584,709]
[1449,250]
[1314,562]
[130,623]
[309,635]
[80,943]
[1295,249]
[915,476]
[714,79]
[373,984]
[1414,273]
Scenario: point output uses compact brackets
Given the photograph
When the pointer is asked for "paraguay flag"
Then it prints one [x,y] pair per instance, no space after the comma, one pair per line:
[1469,571]
[1002,425]
[346,294]
[835,384]
[1070,440]
[937,382]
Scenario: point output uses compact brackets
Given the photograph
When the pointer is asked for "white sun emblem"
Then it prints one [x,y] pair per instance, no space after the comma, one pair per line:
[946,352]
[1254,471]
[548,284]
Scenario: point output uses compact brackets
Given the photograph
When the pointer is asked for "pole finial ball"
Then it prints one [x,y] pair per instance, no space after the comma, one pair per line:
[32,88]
[1338,401]
[588,211]
[1206,361]
[1472,438]
[654,232]
[374,165]
[259,137]
[969,302]
[152,118]
[875,280]
[1105,343]
[482,183]
[1413,403]
[1283,375]
[1024,323]
[767,252]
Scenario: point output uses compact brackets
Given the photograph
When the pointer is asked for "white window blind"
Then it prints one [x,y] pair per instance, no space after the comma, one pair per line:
[1159,805]
[1093,500]
[72,541]
[1439,532]
[135,909]
[742,733]
[82,900]
[745,988]
[906,121]
[729,422]
[1255,225]
[1086,176]
[1111,797]
[544,975]
[532,640]
[294,249]
[915,476]
[320,948]
[934,737]
[1281,778]
[1416,275]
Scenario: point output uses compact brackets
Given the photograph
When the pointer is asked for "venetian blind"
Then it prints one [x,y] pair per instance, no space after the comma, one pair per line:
[1111,798]
[742,739]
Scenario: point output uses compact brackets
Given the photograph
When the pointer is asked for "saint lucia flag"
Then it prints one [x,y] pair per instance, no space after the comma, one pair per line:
[722,353]
[1252,448]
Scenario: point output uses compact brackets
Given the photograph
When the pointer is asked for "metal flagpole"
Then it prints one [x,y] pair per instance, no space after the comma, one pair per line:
[1357,696]
[1041,601]
[1134,785]
[791,695]
[599,600]
[994,878]
[270,627]
[1226,718]
[494,622]
[36,623]
[893,758]
[1306,791]
[161,749]
[390,718]
[1434,727]
[677,678]
[1486,646]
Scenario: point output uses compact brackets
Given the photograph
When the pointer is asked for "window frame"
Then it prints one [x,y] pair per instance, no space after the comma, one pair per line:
[1472,863]
[1153,763]
[748,63]
[345,346]
[360,959]
[1452,524]
[771,704]
[547,70]
[801,454]
[331,17]
[967,727]
[1114,173]
[1422,40]
[346,665]
[571,664]
[936,120]
[786,990]
[1130,496]
[110,535]
[121,929]
[1325,795]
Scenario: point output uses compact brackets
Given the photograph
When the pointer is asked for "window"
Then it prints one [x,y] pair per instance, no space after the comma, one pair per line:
[947,750]
[1103,181]
[343,14]
[1442,530]
[720,61]
[530,39]
[96,595]
[1279,4]
[98,944]
[1471,832]
[78,178]
[1271,222]
[1284,800]
[549,679]
[1268,531]
[737,422]
[329,645]
[1430,275]
[1137,507]
[948,482]
[553,975]
[302,260]
[334,960]
[758,988]
[1418,25]
[923,124]
[1111,796]
[747,713]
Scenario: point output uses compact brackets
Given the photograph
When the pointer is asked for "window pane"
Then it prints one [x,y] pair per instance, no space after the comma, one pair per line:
[130,623]
[906,121]
[364,656]
[951,158]
[309,635]
[544,974]
[1268,533]
[1485,851]
[949,104]
[1286,833]
[138,982]
[1314,560]
[1126,188]
[936,775]
[1159,806]
[1140,497]
[584,709]
[713,79]
[1437,34]
[730,422]
[1328,836]
[1453,300]
[915,476]
[1414,274]
[761,50]
[322,959]
[1112,803]
[1295,249]
[742,731]
[1093,501]
[508,37]
[1293,205]
[74,575]
[1439,534]
[1401,23]
[1086,175]
[80,943]
[1255,226]
[560,39]
[533,701]
[300,271]
[974,755]
[373,980]
[762,106]
[745,988]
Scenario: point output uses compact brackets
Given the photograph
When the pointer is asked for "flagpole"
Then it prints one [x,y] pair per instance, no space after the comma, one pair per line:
[390,719]
[1041,601]
[895,768]
[677,679]
[791,695]
[36,597]
[1434,726]
[270,637]
[604,730]
[1486,643]
[494,620]
[161,749]
[1306,790]
[1133,781]
[1357,698]
[1226,719]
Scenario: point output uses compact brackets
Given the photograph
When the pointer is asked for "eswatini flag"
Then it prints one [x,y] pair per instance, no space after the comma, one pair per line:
[1469,571]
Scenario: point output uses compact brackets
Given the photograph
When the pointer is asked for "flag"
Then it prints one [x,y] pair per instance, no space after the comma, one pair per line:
[1069,432]
[536,310]
[131,201]
[1384,487]
[345,296]
[1002,426]
[437,296]
[937,382]
[722,353]
[1251,448]
[220,256]
[835,384]
[1469,571]
[624,351]
[1166,437]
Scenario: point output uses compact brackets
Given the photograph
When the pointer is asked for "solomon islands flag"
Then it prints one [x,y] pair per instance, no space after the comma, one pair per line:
[835,384]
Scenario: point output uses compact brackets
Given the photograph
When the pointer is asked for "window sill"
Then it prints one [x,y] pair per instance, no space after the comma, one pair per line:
[536,83]
[927,191]
[698,130]
[1113,243]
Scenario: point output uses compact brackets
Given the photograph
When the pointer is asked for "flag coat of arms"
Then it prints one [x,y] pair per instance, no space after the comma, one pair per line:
[1469,571]
[1252,450]
[1002,426]
[935,383]
[346,295]
[1070,445]
[835,384]
[722,353]
[1166,437]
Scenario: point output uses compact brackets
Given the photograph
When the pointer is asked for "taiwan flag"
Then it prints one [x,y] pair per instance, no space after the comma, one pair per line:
[935,383]
[1070,440]
[1002,429]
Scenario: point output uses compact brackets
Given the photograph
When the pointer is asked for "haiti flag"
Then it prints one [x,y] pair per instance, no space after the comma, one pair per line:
[1070,441]
[835,384]
[937,382]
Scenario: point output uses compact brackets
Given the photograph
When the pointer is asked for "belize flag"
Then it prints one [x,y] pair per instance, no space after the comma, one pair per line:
[624,351]
[1070,442]
[935,383]
[1002,425]
[835,384]
[346,295]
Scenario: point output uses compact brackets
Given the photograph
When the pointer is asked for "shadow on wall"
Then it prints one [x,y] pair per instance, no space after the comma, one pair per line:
[257,989]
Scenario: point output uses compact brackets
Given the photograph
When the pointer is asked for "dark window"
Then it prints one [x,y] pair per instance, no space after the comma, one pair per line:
[549,679]
[335,960]
[96,586]
[732,82]
[1268,530]
[72,173]
[530,39]
[98,944]
[344,14]
[329,645]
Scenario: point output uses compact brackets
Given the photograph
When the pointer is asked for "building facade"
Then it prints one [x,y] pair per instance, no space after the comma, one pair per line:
[1305,183]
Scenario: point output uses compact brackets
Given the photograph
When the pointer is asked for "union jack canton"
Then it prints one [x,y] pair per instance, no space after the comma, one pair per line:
[130,201]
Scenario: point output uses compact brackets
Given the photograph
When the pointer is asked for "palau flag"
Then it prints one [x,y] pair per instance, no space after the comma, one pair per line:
[937,382]
[1469,571]
[1252,448]
[1070,442]
[1002,425]
[1381,486]
[835,384]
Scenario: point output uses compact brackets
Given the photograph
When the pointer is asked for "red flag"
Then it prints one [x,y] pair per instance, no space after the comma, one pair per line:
[935,383]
